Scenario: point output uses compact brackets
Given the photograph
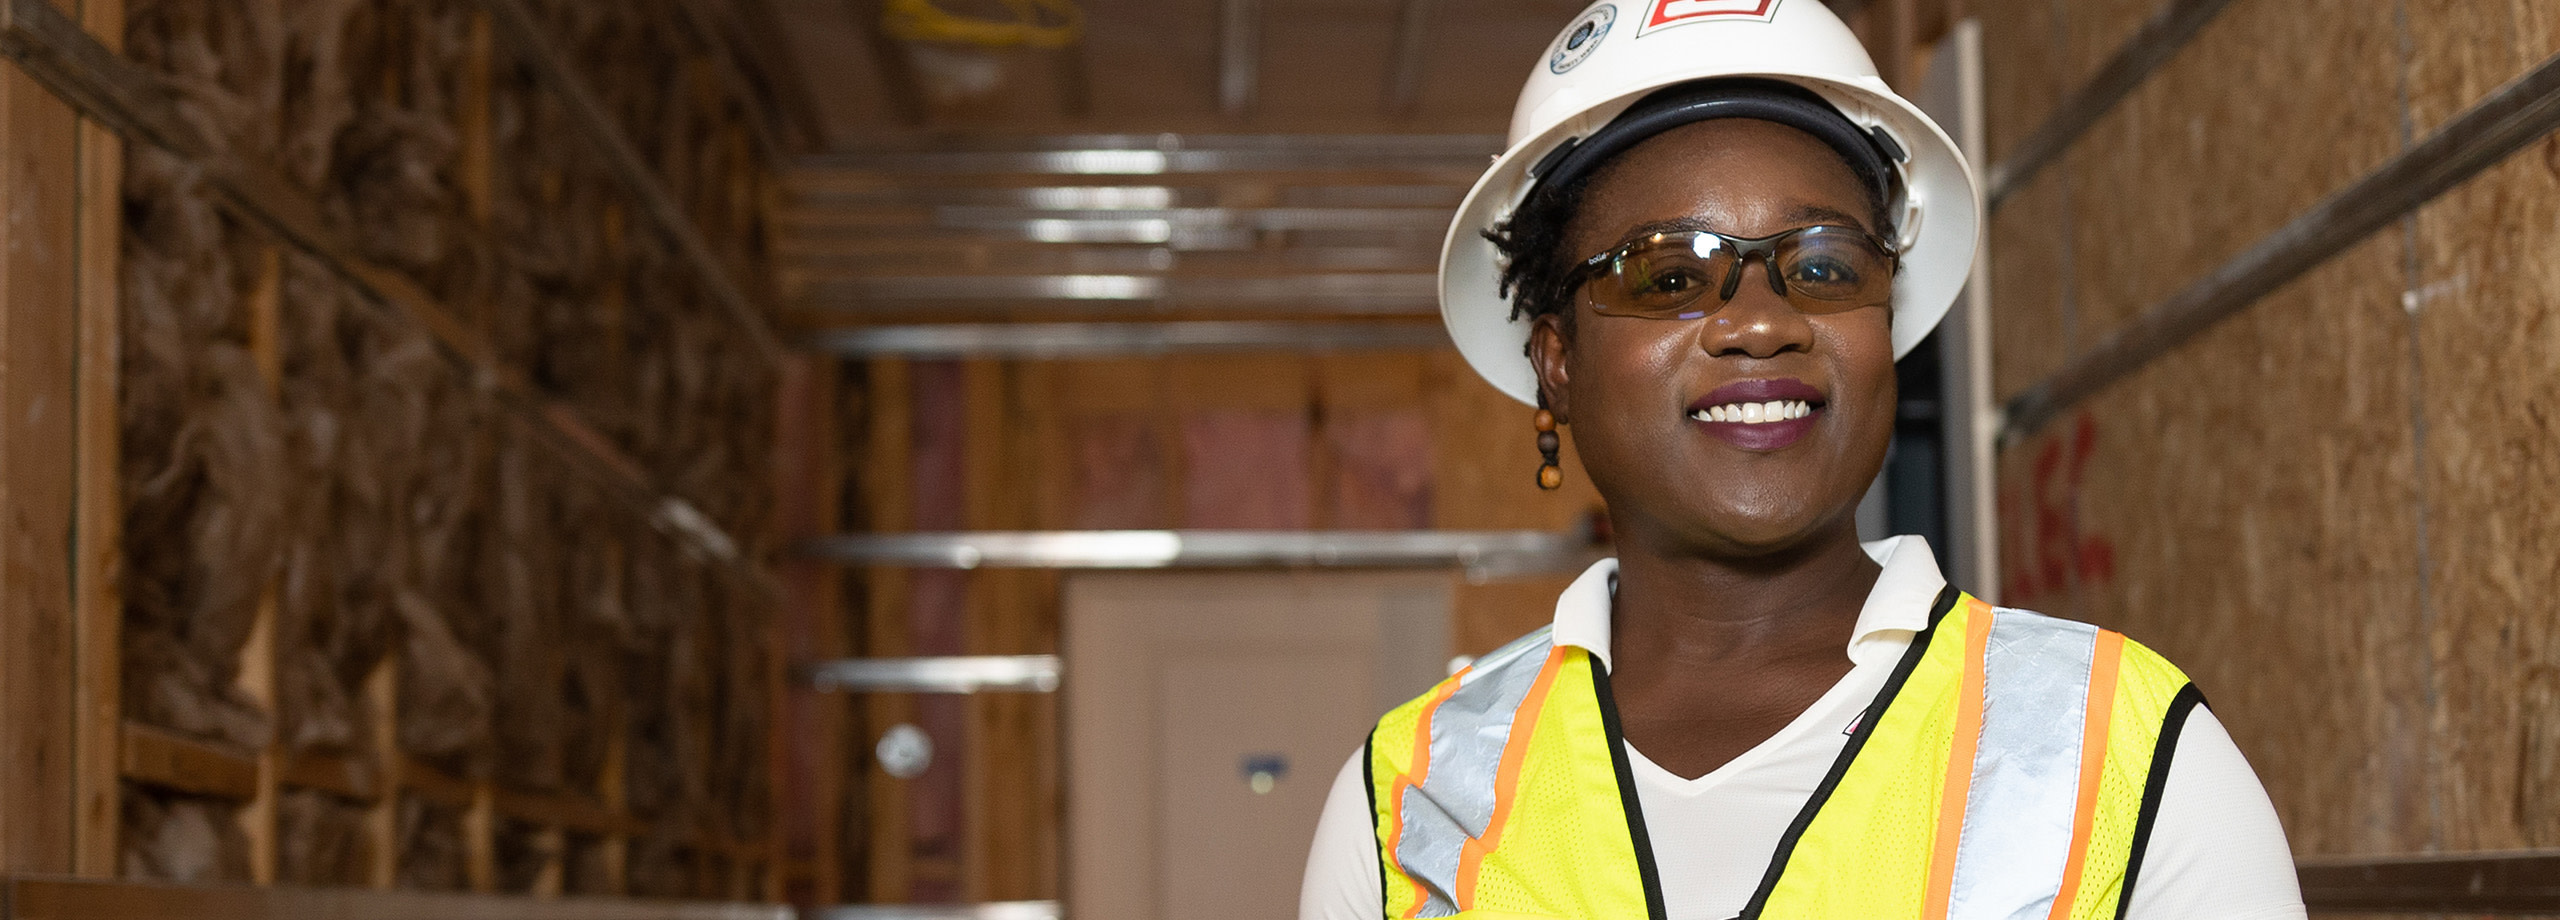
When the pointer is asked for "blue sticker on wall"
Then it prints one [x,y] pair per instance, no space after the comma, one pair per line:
[1582,38]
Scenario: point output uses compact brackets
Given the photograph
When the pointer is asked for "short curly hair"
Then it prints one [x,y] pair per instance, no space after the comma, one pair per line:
[1531,242]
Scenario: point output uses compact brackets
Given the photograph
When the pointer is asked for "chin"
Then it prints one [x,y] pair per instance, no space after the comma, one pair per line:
[1758,539]
[1751,532]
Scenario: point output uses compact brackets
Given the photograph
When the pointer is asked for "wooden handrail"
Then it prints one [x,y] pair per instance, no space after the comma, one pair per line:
[68,899]
[2506,882]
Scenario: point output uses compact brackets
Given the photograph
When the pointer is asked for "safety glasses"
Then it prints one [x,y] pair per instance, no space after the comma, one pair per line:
[1687,274]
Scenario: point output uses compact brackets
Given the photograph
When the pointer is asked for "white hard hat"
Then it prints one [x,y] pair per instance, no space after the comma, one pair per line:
[1617,53]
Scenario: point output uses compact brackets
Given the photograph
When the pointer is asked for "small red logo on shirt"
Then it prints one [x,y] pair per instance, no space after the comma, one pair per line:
[1667,13]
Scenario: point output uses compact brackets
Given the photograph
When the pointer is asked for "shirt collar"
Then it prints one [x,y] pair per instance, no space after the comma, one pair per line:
[1897,607]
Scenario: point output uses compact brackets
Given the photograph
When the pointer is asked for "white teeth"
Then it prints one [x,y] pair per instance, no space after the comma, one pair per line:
[1755,413]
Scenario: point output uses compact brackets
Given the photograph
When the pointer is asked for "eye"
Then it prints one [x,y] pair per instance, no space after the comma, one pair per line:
[1819,273]
[1663,280]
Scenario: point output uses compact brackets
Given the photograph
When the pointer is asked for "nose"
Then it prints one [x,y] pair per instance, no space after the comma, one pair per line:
[1757,322]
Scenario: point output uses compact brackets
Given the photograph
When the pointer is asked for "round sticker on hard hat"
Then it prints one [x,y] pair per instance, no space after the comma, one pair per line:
[1582,38]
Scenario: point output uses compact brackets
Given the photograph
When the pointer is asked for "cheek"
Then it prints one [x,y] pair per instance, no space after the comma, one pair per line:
[1861,348]
[1623,368]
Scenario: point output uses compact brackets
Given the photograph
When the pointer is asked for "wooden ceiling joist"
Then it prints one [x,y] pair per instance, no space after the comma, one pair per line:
[1239,56]
[1368,294]
[137,105]
[1460,157]
[1406,70]
[893,257]
[1121,340]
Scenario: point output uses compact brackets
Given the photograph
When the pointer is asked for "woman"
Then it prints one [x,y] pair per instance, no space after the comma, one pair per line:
[1713,234]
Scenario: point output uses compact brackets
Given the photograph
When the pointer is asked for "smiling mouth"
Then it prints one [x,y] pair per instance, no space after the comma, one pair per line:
[1755,413]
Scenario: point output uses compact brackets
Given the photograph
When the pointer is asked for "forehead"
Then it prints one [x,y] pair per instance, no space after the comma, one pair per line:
[1739,176]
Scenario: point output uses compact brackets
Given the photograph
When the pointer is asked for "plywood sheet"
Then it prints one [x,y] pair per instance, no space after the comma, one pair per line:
[2030,267]
[2244,506]
[2095,30]
[2022,69]
[2459,50]
[2489,335]
[2211,154]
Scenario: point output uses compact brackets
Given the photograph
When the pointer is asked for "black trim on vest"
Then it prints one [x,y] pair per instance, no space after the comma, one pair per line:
[2155,785]
[1649,873]
[1369,784]
[1840,767]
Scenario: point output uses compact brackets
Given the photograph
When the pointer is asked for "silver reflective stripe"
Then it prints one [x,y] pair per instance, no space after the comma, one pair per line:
[2026,768]
[1456,798]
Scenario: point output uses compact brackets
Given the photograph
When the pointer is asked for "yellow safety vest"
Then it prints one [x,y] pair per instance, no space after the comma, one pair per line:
[2010,768]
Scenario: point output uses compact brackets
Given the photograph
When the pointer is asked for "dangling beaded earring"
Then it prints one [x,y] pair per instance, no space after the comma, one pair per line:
[1550,473]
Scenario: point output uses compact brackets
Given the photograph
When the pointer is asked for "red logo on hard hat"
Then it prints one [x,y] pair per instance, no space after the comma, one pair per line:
[1668,13]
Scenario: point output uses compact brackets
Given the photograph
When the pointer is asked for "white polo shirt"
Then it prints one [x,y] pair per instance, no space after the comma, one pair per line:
[2215,851]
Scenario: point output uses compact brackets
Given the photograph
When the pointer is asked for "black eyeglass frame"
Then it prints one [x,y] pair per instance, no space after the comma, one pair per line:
[1743,249]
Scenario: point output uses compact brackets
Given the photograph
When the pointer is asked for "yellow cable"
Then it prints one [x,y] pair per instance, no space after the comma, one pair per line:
[1035,24]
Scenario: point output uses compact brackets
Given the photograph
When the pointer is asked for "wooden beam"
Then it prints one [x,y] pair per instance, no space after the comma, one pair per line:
[345,777]
[98,520]
[259,655]
[1075,80]
[533,49]
[901,88]
[809,736]
[1411,62]
[575,812]
[1239,56]
[137,105]
[39,339]
[437,786]
[159,757]
[2522,882]
[615,794]
[480,838]
[889,498]
[475,159]
[381,698]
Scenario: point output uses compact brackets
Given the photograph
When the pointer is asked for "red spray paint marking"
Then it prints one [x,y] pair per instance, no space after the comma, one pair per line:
[2046,555]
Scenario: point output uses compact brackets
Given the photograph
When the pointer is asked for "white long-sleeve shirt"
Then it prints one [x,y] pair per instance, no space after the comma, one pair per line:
[2215,850]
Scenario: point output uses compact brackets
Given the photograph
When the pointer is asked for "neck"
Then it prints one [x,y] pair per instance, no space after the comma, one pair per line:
[1697,609]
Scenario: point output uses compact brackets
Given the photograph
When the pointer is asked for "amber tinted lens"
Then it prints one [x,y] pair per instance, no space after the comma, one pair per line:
[1828,270]
[1663,278]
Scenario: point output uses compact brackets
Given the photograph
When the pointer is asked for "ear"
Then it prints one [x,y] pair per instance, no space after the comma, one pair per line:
[1550,340]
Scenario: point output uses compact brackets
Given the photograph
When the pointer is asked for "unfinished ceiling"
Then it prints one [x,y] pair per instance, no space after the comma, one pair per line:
[1183,66]
[1236,173]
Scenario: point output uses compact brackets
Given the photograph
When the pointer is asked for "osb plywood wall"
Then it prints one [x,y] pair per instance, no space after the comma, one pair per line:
[1396,441]
[339,544]
[2337,509]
